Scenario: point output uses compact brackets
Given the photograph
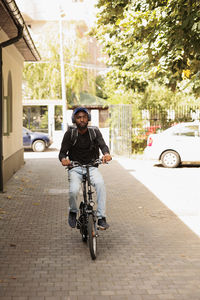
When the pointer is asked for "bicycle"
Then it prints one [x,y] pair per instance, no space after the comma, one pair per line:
[87,219]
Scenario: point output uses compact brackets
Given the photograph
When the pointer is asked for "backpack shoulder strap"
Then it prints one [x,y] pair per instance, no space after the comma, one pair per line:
[74,134]
[92,133]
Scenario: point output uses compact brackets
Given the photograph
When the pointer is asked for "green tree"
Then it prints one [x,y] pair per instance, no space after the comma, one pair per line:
[151,40]
[42,80]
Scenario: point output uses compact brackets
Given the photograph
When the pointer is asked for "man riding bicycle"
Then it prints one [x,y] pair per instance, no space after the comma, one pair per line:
[82,143]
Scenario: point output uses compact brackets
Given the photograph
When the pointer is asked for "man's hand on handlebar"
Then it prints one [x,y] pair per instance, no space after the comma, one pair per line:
[106,157]
[65,162]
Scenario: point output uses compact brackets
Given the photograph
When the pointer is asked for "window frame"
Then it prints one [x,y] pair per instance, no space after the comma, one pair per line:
[8,108]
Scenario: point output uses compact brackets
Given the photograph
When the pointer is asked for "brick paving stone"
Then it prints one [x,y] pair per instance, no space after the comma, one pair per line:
[85,297]
[147,253]
[133,297]
[34,298]
[20,298]
[101,297]
[150,297]
[53,298]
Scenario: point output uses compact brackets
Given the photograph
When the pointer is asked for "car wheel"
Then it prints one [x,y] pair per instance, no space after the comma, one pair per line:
[38,146]
[170,159]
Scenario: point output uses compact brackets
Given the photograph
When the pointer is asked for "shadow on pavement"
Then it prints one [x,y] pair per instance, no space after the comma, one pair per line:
[184,165]
[46,150]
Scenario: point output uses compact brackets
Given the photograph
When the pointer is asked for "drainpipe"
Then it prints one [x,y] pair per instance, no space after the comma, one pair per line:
[3,45]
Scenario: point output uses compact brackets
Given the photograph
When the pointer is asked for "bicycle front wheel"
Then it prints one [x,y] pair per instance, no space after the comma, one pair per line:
[92,237]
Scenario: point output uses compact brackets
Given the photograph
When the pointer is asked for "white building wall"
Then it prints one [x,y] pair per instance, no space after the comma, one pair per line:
[13,62]
[13,152]
[95,117]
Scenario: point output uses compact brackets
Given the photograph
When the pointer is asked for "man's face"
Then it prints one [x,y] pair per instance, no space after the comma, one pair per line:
[81,120]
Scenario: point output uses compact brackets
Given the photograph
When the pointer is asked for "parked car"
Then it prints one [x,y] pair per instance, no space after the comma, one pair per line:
[37,141]
[177,144]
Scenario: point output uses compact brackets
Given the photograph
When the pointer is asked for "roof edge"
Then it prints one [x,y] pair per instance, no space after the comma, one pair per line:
[17,18]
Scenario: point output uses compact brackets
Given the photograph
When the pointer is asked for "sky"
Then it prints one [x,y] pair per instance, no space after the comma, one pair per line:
[49,9]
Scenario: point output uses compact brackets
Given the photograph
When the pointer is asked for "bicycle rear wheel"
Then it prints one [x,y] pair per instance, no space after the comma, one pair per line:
[82,222]
[92,237]
[84,233]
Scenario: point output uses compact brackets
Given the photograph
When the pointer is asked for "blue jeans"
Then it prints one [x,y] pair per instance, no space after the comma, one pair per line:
[75,179]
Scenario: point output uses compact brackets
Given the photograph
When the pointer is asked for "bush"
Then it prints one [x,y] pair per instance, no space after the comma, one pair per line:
[139,142]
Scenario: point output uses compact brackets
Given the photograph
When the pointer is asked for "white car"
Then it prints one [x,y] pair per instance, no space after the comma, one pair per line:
[177,144]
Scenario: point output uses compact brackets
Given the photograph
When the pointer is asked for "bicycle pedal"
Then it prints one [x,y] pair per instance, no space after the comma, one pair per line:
[78,224]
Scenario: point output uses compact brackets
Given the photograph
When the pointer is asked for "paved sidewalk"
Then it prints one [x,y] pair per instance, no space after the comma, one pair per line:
[147,254]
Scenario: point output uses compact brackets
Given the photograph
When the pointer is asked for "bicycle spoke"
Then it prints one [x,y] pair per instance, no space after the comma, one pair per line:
[92,237]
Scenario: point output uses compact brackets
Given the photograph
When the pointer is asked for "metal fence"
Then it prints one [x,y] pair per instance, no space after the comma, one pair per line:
[126,128]
[164,118]
[121,129]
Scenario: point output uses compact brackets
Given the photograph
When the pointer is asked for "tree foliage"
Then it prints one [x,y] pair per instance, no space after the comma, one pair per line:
[42,80]
[151,40]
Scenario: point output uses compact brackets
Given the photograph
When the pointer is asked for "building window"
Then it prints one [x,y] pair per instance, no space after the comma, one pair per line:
[35,118]
[5,116]
[8,108]
[58,117]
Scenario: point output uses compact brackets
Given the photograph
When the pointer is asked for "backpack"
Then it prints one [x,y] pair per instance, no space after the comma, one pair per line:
[93,137]
[74,134]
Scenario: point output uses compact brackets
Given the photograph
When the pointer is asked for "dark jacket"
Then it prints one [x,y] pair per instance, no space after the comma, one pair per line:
[70,137]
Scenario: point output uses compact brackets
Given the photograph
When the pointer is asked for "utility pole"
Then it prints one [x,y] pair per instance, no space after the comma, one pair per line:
[63,87]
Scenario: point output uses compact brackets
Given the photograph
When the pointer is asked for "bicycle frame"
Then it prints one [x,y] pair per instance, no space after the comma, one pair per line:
[87,190]
[87,218]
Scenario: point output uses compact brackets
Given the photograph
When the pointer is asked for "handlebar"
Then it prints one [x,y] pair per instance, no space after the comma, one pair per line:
[78,164]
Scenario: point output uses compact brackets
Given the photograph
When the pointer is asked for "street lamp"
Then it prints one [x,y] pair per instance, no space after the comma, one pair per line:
[63,87]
